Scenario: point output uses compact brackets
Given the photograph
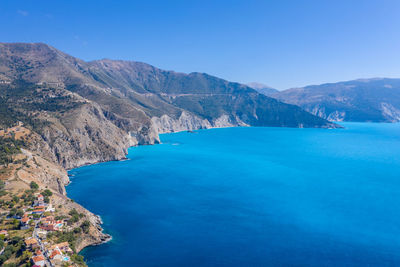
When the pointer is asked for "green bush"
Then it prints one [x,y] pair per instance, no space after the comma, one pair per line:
[34,186]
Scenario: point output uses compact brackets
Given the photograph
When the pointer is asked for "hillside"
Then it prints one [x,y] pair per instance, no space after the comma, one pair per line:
[87,112]
[366,100]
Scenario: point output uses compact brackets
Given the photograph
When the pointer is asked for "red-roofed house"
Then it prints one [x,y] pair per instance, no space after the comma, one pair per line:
[31,242]
[40,197]
[25,219]
[38,260]
[56,255]
[4,232]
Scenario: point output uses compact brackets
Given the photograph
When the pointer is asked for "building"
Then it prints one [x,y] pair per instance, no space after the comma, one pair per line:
[38,260]
[56,255]
[31,243]
[38,210]
[49,224]
[4,232]
[64,247]
[40,197]
[25,223]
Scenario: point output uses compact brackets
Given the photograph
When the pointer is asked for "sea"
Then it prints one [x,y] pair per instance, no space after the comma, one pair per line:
[250,197]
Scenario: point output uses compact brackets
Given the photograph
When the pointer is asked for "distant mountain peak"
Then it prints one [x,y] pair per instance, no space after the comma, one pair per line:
[363,100]
[262,88]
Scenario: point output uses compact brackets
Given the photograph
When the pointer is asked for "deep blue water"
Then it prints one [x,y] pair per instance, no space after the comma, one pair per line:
[250,197]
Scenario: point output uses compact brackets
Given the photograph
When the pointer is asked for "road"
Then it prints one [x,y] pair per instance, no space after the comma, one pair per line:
[42,248]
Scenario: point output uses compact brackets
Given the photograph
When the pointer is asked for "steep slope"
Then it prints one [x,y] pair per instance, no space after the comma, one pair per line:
[376,100]
[209,98]
[87,112]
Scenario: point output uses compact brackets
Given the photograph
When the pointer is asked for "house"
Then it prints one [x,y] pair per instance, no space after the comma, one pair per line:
[25,220]
[64,246]
[31,243]
[4,232]
[40,198]
[39,203]
[41,233]
[38,211]
[56,255]
[51,225]
[25,223]
[47,219]
[38,260]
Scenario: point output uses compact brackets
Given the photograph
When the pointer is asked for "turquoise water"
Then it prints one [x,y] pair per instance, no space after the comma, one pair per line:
[250,197]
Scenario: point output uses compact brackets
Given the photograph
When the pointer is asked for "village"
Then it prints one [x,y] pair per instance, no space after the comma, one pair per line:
[36,227]
[40,234]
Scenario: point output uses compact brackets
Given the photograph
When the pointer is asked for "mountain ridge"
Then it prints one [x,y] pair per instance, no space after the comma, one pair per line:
[110,105]
[360,100]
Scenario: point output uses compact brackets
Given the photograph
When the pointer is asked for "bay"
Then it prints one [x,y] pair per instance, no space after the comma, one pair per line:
[250,197]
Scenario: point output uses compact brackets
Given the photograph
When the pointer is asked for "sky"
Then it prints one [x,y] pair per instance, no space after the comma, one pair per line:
[280,43]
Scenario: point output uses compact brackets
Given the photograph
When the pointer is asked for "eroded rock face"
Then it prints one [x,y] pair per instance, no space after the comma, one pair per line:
[185,122]
[390,112]
[190,122]
[44,172]
[85,136]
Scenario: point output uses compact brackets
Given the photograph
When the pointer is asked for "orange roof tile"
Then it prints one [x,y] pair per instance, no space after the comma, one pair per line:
[38,258]
[31,241]
[55,253]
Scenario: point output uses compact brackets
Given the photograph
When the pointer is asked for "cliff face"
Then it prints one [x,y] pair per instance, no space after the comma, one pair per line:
[85,136]
[86,112]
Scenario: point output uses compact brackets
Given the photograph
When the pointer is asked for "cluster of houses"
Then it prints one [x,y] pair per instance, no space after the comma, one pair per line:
[56,254]
[39,207]
[43,252]
[48,223]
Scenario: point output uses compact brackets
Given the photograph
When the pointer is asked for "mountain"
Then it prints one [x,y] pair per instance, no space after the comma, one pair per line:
[262,88]
[86,112]
[363,100]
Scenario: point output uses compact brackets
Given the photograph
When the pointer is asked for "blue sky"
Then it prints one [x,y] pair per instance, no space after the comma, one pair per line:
[280,43]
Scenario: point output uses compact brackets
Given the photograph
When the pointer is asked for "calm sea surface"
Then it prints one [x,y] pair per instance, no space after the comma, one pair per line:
[250,197]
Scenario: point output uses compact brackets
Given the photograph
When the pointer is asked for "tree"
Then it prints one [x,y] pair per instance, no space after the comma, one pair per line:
[16,224]
[34,185]
[47,193]
[12,212]
[85,226]
[19,213]
[16,199]
[77,259]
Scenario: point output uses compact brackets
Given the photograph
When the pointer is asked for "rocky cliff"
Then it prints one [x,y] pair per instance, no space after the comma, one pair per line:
[86,112]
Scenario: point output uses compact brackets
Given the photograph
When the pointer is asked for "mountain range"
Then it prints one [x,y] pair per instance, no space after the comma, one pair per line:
[86,112]
[362,100]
